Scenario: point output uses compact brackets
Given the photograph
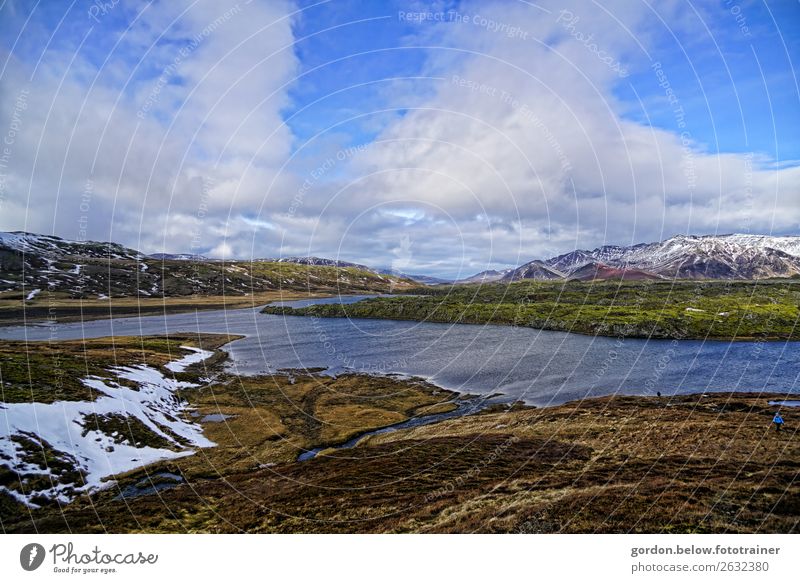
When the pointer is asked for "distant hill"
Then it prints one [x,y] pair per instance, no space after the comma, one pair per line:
[311,260]
[30,263]
[318,261]
[423,279]
[51,246]
[178,257]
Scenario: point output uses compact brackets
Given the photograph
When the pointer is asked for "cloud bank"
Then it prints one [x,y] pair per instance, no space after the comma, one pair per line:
[514,143]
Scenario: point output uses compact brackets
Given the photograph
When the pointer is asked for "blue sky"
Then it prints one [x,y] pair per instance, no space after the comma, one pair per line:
[340,128]
[738,88]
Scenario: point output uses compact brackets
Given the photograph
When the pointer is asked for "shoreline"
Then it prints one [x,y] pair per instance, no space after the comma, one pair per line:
[753,339]
[368,433]
[42,311]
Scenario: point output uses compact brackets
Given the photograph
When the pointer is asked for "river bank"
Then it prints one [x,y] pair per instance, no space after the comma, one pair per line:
[53,308]
[671,310]
[688,463]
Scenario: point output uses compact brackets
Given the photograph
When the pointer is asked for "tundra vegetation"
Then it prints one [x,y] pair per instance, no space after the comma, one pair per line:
[691,463]
[640,309]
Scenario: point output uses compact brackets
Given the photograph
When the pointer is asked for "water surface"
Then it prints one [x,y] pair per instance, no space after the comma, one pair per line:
[538,367]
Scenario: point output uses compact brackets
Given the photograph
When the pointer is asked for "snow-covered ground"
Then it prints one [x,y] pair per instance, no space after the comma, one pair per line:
[198,355]
[70,430]
[33,294]
[52,246]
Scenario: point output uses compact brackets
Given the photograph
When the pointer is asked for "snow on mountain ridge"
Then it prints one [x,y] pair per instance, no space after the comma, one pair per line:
[738,256]
[52,246]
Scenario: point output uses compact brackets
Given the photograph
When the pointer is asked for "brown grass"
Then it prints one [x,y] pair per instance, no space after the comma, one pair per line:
[615,464]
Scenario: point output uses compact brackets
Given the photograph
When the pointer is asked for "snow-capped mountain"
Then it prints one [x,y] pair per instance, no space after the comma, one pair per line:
[735,256]
[31,263]
[535,269]
[54,247]
[689,256]
[487,276]
[596,270]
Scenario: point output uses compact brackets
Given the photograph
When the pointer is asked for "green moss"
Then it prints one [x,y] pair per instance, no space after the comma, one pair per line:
[61,466]
[46,372]
[709,309]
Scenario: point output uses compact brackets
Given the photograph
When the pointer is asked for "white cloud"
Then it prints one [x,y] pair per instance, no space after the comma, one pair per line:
[191,96]
[531,135]
[522,150]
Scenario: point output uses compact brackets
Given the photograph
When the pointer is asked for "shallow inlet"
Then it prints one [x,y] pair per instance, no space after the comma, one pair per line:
[465,407]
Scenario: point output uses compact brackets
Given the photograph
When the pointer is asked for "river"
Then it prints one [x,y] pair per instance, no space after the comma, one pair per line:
[535,366]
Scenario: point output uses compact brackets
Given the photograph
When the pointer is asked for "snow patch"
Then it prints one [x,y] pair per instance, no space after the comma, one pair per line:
[197,355]
[67,428]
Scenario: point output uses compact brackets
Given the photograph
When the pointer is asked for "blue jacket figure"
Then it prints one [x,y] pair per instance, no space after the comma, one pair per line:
[778,421]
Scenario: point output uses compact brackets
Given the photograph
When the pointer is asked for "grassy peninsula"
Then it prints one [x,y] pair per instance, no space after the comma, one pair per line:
[639,309]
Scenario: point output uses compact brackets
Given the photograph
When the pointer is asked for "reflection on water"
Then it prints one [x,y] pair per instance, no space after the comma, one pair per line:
[539,367]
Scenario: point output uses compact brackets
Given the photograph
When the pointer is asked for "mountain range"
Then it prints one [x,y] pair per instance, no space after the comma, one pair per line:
[32,262]
[734,256]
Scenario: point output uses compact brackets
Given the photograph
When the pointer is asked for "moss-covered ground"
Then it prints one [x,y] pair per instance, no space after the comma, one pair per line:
[646,309]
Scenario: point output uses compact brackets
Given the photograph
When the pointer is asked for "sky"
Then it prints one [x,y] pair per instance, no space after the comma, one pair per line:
[439,138]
